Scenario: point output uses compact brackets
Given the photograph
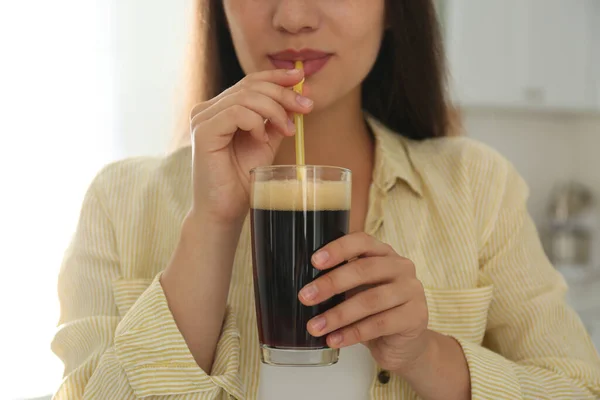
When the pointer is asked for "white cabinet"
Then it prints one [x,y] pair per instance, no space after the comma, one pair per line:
[536,54]
[484,51]
[559,54]
[595,17]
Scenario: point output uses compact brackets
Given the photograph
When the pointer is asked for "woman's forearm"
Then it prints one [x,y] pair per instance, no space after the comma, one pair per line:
[196,284]
[442,372]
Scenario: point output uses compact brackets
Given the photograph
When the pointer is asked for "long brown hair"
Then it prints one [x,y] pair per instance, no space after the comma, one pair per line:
[405,90]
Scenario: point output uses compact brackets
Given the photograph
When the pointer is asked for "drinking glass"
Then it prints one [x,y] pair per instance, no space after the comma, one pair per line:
[295,210]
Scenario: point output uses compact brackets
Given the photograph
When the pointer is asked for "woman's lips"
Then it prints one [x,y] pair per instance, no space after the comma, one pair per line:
[311,66]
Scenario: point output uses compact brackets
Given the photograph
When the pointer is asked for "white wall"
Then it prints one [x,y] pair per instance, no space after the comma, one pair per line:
[150,40]
[56,91]
[587,163]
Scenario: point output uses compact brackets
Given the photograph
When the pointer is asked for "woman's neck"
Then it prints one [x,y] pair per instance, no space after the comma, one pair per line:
[336,136]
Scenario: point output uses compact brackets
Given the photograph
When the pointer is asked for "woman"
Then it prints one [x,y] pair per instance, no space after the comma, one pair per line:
[156,289]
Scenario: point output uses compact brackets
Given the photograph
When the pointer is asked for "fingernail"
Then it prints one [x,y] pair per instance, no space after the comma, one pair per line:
[318,324]
[309,292]
[304,101]
[292,71]
[320,257]
[335,338]
[291,126]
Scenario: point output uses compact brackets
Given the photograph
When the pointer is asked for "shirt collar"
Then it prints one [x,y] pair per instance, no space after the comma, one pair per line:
[392,159]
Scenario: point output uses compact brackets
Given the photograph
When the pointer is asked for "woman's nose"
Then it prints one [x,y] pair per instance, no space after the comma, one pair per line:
[296,16]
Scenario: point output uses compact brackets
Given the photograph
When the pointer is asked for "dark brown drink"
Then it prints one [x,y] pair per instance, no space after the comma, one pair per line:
[283,243]
[290,221]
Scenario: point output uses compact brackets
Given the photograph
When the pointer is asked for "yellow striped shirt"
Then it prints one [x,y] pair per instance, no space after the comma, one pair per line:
[454,207]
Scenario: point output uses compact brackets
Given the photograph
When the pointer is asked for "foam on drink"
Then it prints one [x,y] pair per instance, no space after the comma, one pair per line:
[295,195]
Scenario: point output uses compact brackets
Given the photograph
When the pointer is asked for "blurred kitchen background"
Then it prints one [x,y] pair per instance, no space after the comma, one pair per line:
[86,82]
[526,76]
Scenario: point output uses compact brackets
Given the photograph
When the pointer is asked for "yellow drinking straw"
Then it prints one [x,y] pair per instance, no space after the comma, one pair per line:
[299,122]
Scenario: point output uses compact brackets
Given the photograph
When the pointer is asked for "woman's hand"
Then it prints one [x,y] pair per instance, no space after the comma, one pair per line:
[236,131]
[387,309]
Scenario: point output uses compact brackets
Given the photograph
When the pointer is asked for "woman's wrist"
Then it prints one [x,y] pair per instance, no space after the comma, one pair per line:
[199,221]
[441,371]
[414,371]
[202,237]
[205,248]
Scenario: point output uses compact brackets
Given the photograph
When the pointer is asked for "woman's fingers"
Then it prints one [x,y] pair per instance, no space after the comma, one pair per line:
[254,95]
[360,272]
[285,96]
[386,323]
[405,320]
[269,100]
[278,78]
[346,248]
[263,105]
[360,306]
[283,77]
[225,124]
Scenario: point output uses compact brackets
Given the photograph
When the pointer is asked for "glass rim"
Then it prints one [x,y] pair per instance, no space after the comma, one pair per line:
[296,166]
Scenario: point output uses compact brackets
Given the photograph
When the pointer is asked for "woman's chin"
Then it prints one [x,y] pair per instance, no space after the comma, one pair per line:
[326,100]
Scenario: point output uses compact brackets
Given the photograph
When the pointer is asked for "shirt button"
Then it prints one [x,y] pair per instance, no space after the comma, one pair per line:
[383,377]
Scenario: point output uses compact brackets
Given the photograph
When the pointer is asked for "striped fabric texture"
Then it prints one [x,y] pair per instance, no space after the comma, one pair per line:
[454,207]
